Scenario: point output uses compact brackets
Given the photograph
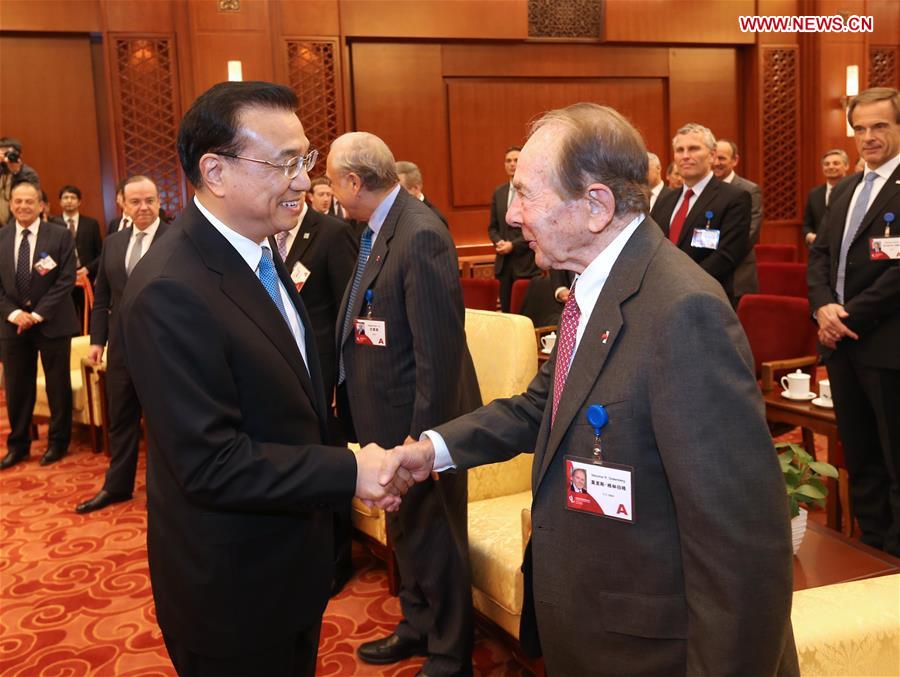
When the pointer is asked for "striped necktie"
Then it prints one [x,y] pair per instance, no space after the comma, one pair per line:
[365,248]
[568,332]
[269,278]
[856,219]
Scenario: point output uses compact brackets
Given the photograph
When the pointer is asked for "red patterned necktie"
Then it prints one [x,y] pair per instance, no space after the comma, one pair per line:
[568,330]
[680,217]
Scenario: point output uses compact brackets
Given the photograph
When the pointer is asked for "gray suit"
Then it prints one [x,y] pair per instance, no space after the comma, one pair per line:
[745,280]
[422,377]
[700,582]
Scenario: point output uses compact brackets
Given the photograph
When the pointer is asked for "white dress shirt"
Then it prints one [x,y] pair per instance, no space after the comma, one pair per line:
[32,242]
[654,193]
[883,173]
[376,221]
[292,233]
[587,291]
[697,188]
[66,218]
[149,233]
[251,252]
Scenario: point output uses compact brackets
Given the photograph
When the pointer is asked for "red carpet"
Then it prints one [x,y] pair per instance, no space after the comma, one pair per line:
[75,591]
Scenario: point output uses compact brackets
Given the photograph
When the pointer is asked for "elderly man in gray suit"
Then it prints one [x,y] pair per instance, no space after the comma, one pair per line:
[678,562]
[725,159]
[404,367]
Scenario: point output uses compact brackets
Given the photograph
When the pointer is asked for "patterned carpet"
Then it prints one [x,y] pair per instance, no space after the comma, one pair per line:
[75,592]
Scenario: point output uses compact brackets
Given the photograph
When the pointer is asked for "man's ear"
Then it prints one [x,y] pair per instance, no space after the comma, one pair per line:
[602,206]
[212,171]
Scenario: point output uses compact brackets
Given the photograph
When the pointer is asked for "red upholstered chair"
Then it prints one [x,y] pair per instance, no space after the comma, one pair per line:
[519,289]
[776,252]
[782,279]
[781,333]
[480,294]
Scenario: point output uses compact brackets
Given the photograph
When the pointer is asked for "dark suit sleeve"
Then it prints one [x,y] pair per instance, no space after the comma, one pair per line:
[756,216]
[494,226]
[65,282]
[342,255]
[727,489]
[809,218]
[499,430]
[879,300]
[178,351]
[436,318]
[100,309]
[734,238]
[94,248]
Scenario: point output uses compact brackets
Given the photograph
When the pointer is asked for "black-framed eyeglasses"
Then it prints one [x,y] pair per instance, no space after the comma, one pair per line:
[291,168]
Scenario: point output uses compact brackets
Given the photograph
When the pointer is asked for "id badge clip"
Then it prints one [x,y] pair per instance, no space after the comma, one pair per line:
[708,237]
[886,248]
[598,487]
[369,331]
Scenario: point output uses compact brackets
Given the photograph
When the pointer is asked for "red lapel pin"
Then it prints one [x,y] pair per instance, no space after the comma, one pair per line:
[604,337]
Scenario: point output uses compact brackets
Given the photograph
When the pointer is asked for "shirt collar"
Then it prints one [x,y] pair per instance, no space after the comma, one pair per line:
[32,227]
[591,281]
[376,221]
[149,231]
[730,177]
[885,170]
[657,188]
[74,217]
[249,250]
[699,186]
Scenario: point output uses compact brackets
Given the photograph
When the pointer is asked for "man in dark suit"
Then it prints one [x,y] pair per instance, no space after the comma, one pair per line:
[707,219]
[121,253]
[855,296]
[411,180]
[835,165]
[697,582]
[725,160]
[406,290]
[120,222]
[240,482]
[319,254]
[37,271]
[658,187]
[84,229]
[514,259]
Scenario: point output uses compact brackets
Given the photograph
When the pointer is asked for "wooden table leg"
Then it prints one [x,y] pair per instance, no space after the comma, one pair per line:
[832,504]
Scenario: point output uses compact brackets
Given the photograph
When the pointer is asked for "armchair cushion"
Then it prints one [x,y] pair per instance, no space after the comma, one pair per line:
[80,414]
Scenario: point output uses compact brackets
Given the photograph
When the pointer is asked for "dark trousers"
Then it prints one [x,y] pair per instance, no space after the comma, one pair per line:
[506,282]
[867,407]
[124,428]
[20,356]
[429,536]
[293,657]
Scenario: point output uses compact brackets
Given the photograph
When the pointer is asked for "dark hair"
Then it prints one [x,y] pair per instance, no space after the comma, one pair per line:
[137,178]
[11,141]
[319,181]
[44,197]
[597,144]
[120,187]
[211,124]
[75,190]
[734,148]
[511,149]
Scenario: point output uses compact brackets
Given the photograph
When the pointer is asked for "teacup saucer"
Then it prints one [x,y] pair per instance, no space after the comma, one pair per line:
[825,404]
[805,398]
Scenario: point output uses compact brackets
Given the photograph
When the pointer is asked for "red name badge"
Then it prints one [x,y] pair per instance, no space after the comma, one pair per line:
[370,332]
[599,489]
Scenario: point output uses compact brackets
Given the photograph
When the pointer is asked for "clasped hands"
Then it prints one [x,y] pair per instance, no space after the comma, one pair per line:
[384,476]
[831,326]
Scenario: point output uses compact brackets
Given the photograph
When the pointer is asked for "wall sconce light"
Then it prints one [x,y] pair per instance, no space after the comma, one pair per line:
[851,89]
[235,71]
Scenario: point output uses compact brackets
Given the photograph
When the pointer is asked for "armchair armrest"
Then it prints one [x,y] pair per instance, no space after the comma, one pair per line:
[768,369]
[526,528]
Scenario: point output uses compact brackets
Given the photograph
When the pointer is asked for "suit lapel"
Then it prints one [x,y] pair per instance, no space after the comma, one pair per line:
[8,263]
[242,286]
[887,193]
[44,244]
[600,336]
[695,217]
[305,235]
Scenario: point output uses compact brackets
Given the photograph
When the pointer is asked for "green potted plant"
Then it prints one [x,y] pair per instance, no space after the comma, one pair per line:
[804,479]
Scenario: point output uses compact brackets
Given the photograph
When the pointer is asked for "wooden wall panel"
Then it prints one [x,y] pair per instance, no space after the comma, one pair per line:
[670,22]
[886,14]
[703,88]
[481,19]
[307,17]
[138,16]
[253,15]
[58,129]
[212,51]
[487,116]
[78,16]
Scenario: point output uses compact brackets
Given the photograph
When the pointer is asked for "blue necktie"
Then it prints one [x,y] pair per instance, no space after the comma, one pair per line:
[269,279]
[856,219]
[365,248]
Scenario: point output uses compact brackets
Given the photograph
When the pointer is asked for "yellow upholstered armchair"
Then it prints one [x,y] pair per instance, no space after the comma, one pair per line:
[505,356]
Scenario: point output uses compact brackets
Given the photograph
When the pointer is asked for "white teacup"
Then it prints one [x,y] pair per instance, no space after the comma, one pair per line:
[825,389]
[548,341]
[796,384]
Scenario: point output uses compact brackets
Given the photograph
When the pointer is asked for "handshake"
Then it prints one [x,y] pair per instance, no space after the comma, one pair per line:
[384,476]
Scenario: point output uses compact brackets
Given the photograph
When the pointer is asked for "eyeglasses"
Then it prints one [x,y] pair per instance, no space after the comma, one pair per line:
[291,168]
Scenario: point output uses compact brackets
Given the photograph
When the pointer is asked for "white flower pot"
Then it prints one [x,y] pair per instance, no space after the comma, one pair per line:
[798,529]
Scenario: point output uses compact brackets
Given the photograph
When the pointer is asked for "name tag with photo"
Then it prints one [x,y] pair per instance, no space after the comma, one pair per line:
[705,238]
